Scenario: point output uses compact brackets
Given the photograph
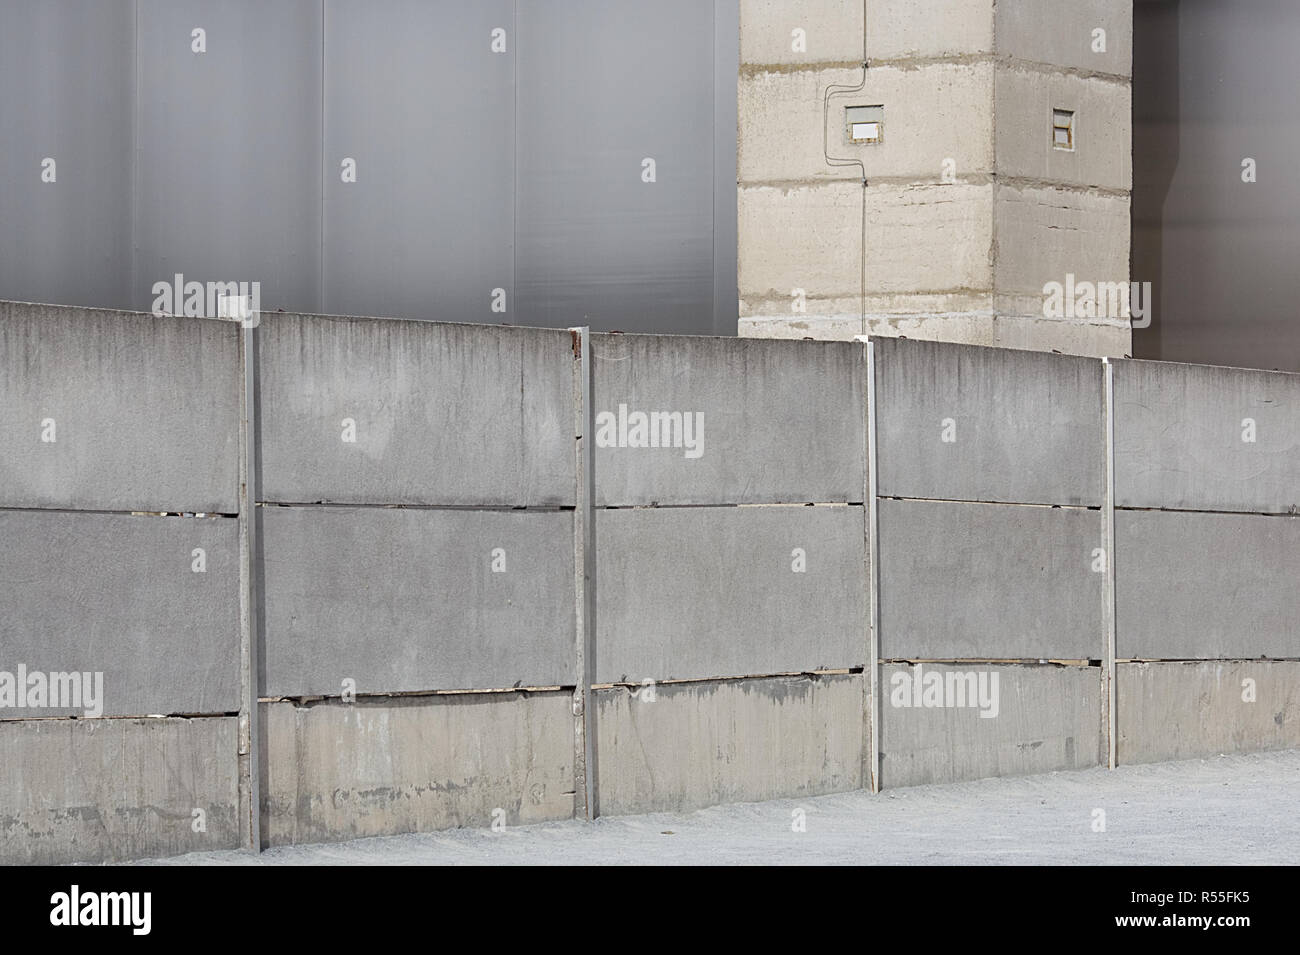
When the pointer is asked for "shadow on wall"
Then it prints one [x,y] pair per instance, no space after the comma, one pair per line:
[1216,212]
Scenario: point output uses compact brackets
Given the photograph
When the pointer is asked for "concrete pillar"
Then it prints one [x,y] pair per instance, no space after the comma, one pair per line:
[970,210]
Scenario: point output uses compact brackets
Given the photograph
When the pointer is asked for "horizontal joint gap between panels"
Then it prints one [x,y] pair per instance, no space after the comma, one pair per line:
[668,507]
[686,681]
[184,515]
[1200,510]
[310,699]
[103,719]
[947,500]
[1207,659]
[993,661]
[336,505]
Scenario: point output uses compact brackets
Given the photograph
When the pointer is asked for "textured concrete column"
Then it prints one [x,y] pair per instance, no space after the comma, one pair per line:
[969,209]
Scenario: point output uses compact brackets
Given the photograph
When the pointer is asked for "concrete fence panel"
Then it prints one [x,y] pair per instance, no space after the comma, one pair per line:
[1207,586]
[1199,437]
[990,581]
[1201,709]
[687,420]
[117,410]
[380,767]
[699,744]
[142,610]
[1033,719]
[401,600]
[364,411]
[961,422]
[94,791]
[688,593]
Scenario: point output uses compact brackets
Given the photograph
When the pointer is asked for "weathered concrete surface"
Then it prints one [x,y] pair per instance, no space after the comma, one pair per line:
[686,593]
[108,790]
[700,744]
[407,600]
[989,581]
[1103,136]
[959,236]
[144,410]
[1179,433]
[957,422]
[1048,233]
[971,328]
[927,245]
[443,413]
[784,126]
[1188,710]
[895,30]
[1048,718]
[832,31]
[770,421]
[1061,34]
[118,594]
[376,767]
[1207,585]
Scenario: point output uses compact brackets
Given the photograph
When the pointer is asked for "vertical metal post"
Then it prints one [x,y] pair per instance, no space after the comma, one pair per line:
[249,721]
[585,570]
[1112,722]
[873,571]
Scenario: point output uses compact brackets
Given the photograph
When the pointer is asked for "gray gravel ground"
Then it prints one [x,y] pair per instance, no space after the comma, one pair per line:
[1227,810]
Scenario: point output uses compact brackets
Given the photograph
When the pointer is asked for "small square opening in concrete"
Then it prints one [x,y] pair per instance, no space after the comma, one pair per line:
[1063,128]
[865,124]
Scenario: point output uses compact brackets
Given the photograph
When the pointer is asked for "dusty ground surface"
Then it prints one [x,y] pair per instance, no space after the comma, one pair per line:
[1227,810]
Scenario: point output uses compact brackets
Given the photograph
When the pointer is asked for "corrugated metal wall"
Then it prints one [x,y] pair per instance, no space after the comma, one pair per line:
[499,175]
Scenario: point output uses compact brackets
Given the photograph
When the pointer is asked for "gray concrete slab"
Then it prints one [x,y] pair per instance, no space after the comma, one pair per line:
[1063,34]
[961,422]
[1047,718]
[770,421]
[989,581]
[340,771]
[94,791]
[1183,438]
[1190,710]
[407,600]
[700,744]
[686,593]
[1207,585]
[118,595]
[443,414]
[117,410]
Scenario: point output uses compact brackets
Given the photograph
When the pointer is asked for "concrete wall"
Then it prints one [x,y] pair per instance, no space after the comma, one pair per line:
[1047,718]
[438,411]
[1197,437]
[385,766]
[362,594]
[115,789]
[1199,709]
[989,581]
[698,744]
[967,210]
[117,411]
[428,606]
